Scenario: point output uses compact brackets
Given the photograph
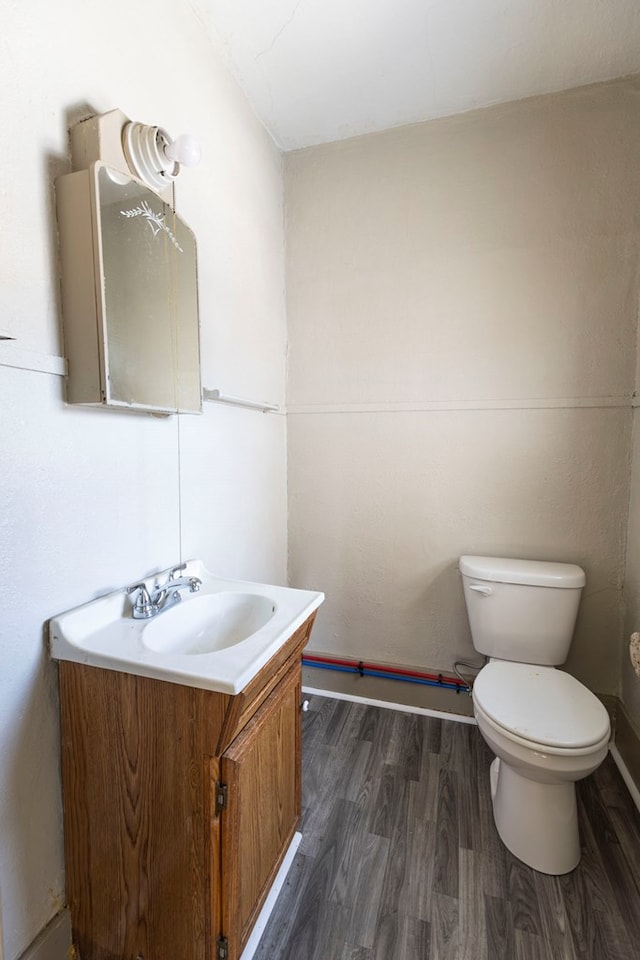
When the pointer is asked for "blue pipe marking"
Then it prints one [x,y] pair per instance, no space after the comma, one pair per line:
[387,674]
[329,666]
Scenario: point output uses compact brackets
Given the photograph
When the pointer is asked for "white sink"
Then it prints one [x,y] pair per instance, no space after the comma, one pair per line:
[208,622]
[217,639]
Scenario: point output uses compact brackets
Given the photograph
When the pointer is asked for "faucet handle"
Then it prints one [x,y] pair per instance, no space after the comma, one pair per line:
[142,607]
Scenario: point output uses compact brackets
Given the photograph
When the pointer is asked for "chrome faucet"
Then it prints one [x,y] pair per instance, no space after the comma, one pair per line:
[148,605]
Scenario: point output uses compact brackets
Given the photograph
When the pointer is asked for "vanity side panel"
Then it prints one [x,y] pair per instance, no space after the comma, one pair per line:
[78,286]
[141,863]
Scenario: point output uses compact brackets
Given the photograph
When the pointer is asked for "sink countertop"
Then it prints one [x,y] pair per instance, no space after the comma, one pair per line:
[103,633]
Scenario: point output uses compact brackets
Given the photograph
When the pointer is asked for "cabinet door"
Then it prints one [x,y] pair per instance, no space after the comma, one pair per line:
[261,769]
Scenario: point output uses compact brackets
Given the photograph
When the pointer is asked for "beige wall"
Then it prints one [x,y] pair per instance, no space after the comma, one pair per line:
[630,683]
[90,501]
[630,687]
[462,300]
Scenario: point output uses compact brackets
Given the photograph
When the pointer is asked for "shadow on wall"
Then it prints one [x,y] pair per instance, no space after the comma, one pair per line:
[55,166]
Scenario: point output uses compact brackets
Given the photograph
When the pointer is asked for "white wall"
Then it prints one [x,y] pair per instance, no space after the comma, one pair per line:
[89,500]
[462,299]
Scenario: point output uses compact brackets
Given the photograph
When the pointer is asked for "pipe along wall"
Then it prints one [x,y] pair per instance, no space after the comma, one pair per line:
[389,673]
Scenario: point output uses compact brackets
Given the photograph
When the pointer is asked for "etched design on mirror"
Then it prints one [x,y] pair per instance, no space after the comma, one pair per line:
[155,221]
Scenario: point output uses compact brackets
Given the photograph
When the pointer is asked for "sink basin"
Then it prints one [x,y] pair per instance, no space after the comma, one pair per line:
[202,624]
[216,639]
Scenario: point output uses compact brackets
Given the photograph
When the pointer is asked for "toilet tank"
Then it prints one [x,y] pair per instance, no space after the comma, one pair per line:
[522,610]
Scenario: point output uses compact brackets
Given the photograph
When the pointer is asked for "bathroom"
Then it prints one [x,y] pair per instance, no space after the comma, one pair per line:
[484,404]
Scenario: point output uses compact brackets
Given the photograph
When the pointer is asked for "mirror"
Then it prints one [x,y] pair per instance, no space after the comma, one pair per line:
[130,295]
[150,297]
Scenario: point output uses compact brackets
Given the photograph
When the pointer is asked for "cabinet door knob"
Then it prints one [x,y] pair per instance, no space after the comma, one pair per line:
[304,706]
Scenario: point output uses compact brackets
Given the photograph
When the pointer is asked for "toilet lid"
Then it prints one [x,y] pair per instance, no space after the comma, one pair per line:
[541,704]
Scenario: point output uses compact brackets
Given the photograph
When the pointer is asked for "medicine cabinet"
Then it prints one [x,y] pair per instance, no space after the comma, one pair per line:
[129,295]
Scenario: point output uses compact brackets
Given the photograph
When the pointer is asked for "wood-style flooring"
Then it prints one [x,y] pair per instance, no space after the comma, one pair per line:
[400,858]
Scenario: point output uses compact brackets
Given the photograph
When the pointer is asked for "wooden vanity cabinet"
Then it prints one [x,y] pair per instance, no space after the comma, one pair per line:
[179,806]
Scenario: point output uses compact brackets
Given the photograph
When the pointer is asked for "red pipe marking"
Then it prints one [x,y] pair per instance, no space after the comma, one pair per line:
[369,666]
[334,660]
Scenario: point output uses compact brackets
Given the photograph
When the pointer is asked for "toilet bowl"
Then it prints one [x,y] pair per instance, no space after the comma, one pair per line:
[546,729]
[533,775]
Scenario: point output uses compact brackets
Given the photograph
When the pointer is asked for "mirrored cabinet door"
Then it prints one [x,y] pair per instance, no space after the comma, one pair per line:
[130,295]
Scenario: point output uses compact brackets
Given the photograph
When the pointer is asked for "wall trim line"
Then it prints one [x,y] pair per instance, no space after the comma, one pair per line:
[36,362]
[12,356]
[435,406]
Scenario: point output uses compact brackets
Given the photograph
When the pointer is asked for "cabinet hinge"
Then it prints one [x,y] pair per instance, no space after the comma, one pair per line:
[222,948]
[221,797]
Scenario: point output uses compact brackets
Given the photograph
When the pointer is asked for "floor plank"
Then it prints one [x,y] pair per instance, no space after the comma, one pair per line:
[401,936]
[553,915]
[499,928]
[445,878]
[472,932]
[444,928]
[400,857]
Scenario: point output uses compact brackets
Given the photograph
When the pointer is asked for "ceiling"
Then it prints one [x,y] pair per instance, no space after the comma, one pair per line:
[320,70]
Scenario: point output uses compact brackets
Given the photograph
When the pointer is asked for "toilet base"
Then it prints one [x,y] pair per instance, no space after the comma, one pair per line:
[537,822]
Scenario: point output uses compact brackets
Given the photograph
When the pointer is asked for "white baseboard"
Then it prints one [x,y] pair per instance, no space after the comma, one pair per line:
[52,943]
[270,902]
[402,707]
[624,773]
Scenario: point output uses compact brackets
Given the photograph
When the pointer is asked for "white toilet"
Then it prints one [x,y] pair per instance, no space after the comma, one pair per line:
[546,729]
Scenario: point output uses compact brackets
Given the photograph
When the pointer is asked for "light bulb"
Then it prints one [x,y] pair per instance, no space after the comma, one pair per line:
[184,150]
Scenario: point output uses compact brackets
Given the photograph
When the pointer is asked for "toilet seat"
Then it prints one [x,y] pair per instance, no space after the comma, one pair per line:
[542,707]
[532,746]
